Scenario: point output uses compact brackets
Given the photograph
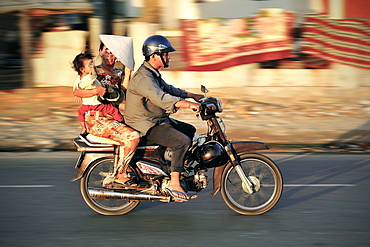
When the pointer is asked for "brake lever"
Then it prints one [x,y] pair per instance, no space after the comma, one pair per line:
[197,115]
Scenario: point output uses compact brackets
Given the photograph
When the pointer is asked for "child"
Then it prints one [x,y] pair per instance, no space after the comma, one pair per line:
[84,65]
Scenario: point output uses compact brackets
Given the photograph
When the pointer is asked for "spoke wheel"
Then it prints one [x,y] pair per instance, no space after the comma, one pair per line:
[93,179]
[267,177]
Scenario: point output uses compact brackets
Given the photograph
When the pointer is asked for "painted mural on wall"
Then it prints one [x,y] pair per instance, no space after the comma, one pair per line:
[345,41]
[218,43]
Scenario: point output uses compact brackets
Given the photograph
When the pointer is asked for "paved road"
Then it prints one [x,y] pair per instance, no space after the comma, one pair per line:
[325,203]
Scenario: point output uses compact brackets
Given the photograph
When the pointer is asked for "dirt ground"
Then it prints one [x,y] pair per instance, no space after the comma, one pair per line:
[45,118]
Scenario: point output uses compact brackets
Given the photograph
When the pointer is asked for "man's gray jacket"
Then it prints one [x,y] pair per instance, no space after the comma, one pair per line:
[149,99]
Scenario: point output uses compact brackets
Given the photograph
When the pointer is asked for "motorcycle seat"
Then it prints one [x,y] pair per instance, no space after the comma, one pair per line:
[102,140]
[146,142]
[106,141]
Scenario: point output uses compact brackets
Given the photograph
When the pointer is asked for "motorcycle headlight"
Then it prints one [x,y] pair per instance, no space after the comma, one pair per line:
[220,107]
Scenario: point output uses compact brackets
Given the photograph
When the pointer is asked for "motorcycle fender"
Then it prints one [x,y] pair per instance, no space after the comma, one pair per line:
[84,160]
[240,147]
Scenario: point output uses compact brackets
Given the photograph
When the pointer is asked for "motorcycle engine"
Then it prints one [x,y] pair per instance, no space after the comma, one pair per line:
[195,183]
[168,154]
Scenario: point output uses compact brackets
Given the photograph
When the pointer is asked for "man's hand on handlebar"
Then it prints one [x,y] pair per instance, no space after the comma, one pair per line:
[196,97]
[188,104]
[195,107]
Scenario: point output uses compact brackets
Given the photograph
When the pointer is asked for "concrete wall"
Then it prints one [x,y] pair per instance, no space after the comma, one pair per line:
[339,84]
[341,81]
[249,75]
[54,67]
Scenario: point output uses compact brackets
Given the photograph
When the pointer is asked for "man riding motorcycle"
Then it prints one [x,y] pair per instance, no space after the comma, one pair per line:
[150,101]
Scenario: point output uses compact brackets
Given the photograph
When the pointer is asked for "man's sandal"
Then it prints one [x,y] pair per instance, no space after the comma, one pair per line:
[176,197]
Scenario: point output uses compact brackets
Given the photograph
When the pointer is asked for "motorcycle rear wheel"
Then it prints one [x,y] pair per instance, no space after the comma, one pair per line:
[261,201]
[93,179]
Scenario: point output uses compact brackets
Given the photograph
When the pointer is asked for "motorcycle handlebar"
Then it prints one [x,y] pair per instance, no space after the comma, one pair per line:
[207,108]
[210,106]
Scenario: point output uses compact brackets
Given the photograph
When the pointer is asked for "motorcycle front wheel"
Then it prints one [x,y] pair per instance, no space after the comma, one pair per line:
[263,172]
[93,179]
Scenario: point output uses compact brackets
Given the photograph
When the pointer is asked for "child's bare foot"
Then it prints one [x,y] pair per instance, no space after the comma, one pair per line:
[122,178]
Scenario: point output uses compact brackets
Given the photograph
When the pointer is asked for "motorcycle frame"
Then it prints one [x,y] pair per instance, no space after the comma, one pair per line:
[90,154]
[93,152]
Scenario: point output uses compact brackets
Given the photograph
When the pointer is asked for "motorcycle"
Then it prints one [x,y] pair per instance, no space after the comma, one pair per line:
[250,183]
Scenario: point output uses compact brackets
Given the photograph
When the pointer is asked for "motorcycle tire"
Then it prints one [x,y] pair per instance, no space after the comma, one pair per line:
[95,174]
[257,167]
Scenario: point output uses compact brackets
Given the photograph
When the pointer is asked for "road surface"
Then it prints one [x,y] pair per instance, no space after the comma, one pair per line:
[325,203]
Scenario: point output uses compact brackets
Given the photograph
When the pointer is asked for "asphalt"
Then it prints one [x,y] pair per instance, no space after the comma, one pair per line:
[45,119]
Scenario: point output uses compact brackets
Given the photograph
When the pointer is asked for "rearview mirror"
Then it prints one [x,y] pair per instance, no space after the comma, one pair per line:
[204,89]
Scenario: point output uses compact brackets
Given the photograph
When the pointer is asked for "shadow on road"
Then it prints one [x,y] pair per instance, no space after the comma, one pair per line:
[357,138]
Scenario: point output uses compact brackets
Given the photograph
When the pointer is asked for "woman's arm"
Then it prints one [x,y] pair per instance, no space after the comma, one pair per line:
[127,78]
[87,93]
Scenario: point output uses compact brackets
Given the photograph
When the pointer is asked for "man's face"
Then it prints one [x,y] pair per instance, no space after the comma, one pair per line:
[162,62]
[107,56]
[166,59]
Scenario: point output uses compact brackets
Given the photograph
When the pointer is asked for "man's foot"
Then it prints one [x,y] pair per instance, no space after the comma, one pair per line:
[178,196]
[174,188]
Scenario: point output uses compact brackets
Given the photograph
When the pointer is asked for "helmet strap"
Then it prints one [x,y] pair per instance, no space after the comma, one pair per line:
[165,65]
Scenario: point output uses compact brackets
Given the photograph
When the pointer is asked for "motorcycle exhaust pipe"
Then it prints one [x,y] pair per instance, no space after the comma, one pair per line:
[108,194]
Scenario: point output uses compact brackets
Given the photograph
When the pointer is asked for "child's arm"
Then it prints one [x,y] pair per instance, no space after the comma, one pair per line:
[78,99]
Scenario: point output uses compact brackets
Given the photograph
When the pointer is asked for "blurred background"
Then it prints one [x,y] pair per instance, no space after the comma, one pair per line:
[280,58]
[294,74]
